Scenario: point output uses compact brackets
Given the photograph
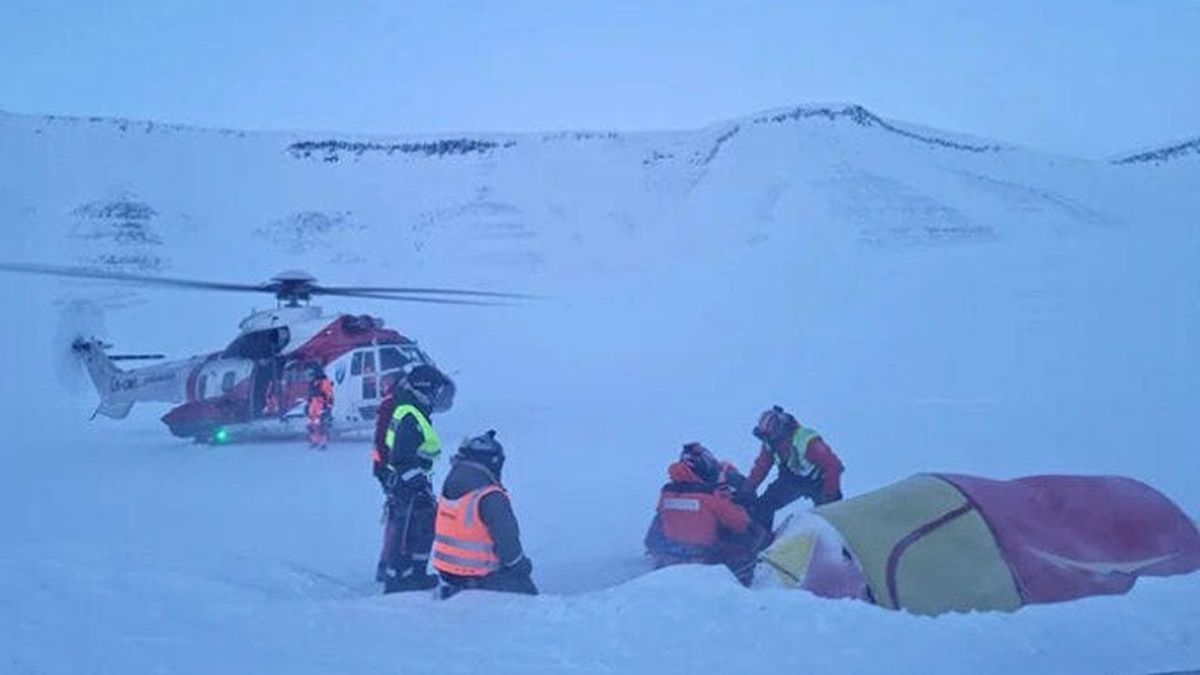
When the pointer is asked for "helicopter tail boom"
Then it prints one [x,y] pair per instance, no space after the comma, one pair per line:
[105,376]
[119,389]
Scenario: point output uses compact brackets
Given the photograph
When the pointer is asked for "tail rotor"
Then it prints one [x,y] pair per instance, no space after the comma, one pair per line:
[77,321]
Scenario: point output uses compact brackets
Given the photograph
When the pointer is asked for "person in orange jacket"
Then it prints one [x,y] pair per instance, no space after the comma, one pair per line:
[320,408]
[808,467]
[477,543]
[701,516]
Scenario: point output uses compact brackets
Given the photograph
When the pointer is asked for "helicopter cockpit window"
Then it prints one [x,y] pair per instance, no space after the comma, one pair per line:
[417,355]
[363,363]
[227,381]
[201,385]
[391,358]
[369,385]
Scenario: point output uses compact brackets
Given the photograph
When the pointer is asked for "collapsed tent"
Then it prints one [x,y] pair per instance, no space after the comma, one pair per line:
[944,542]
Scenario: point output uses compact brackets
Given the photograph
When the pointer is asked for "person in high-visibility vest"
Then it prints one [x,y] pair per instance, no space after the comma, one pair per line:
[320,408]
[477,543]
[808,467]
[406,447]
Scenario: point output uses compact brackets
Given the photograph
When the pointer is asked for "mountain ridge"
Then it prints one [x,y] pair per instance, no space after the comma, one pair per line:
[438,143]
[831,112]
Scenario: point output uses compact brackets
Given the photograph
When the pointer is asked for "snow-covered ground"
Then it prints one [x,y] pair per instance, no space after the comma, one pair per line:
[929,302]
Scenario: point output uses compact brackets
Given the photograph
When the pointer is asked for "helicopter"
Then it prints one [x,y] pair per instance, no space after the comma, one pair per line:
[257,387]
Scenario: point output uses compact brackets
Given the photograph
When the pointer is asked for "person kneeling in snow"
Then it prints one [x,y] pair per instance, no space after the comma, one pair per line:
[477,543]
[699,519]
[807,466]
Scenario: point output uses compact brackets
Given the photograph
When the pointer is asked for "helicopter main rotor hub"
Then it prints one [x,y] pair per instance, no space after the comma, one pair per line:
[291,287]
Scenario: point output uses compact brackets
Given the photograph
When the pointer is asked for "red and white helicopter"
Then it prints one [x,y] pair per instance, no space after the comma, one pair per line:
[257,387]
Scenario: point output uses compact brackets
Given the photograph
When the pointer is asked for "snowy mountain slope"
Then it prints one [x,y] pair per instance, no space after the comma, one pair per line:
[571,184]
[930,302]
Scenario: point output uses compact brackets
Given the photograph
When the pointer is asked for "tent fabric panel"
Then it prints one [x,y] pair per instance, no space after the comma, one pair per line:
[953,565]
[1067,537]
[873,524]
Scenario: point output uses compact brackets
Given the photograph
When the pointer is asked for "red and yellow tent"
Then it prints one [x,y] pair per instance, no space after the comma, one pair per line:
[946,542]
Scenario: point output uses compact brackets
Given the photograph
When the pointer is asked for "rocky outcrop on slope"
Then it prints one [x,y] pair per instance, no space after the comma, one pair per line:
[333,150]
[1161,155]
[118,235]
[865,118]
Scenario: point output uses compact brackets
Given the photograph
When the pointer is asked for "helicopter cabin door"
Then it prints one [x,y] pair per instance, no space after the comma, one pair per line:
[363,387]
[373,370]
[267,389]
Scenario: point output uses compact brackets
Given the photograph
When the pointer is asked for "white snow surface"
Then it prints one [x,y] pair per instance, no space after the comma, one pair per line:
[929,302]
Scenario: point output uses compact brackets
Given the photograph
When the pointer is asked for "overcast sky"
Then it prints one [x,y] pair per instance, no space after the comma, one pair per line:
[1088,78]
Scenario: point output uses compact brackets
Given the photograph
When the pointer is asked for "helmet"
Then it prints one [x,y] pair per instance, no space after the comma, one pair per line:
[701,461]
[425,383]
[774,425]
[483,449]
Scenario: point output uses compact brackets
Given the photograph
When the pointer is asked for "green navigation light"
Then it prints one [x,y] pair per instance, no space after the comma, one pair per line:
[221,435]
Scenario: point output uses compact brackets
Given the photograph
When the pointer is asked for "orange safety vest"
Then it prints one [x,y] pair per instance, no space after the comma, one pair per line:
[316,408]
[321,399]
[462,544]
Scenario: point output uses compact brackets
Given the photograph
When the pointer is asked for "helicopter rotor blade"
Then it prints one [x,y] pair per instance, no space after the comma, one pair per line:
[287,287]
[168,282]
[413,298]
[341,290]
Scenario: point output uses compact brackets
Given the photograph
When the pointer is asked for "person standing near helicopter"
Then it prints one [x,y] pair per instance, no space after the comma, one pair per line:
[406,446]
[320,408]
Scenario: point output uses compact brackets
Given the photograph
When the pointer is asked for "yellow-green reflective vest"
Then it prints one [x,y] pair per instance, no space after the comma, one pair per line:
[795,461]
[431,447]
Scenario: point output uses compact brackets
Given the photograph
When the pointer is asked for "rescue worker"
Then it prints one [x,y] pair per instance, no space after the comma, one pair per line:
[406,447]
[732,482]
[383,421]
[271,400]
[320,408]
[698,519]
[478,542]
[808,467]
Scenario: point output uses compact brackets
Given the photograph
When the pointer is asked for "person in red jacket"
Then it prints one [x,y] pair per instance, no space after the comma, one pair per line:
[697,519]
[807,466]
[383,419]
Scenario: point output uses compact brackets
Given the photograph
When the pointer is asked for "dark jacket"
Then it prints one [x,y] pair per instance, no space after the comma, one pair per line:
[495,510]
[403,455]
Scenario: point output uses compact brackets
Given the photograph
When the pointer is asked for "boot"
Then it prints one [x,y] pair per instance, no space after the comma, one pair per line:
[411,580]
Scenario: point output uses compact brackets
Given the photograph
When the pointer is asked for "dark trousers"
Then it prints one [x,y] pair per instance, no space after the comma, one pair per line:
[785,489]
[502,581]
[407,540]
